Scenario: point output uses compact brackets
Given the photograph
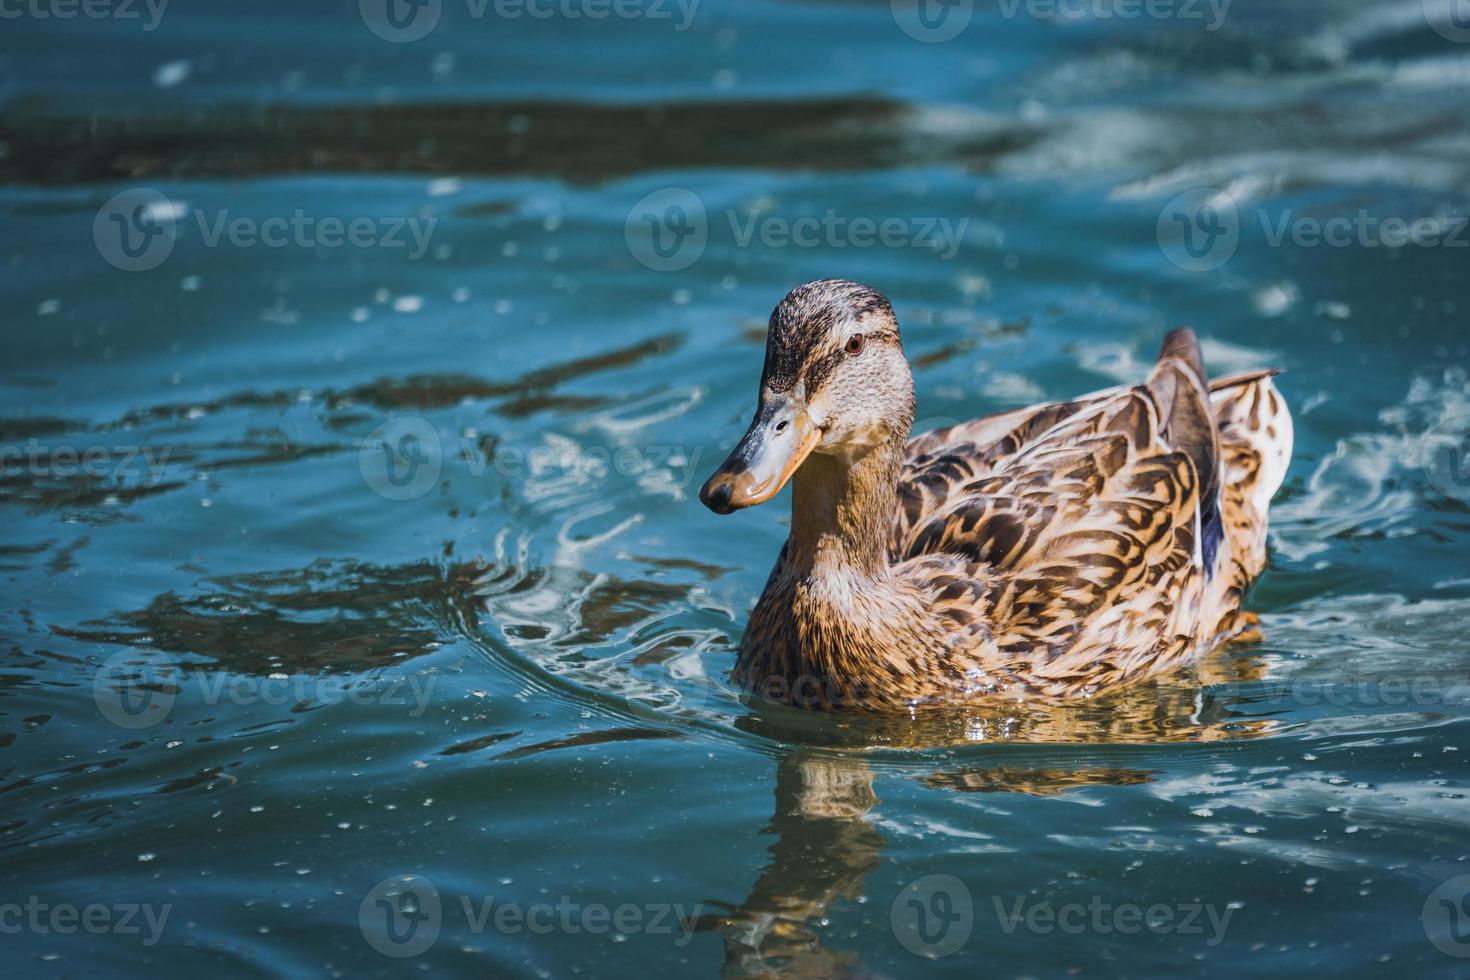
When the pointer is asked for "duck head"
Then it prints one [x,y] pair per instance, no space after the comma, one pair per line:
[835,382]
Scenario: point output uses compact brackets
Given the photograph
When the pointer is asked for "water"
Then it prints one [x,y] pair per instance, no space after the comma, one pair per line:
[253,676]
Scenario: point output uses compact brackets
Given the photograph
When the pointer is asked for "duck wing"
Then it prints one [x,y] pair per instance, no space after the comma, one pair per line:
[1087,516]
[939,465]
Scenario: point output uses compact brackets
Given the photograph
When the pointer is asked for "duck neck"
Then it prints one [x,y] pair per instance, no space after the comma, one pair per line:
[843,509]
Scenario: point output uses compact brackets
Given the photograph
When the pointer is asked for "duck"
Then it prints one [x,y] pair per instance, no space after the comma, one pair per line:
[1045,554]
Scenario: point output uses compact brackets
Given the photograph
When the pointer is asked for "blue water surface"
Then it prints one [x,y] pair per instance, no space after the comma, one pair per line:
[360,616]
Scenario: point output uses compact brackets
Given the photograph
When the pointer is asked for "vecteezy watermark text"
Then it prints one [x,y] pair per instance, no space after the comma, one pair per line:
[1103,918]
[669,229]
[43,918]
[1376,691]
[309,231]
[1210,13]
[402,917]
[1201,229]
[136,230]
[833,230]
[405,21]
[123,10]
[937,21]
[115,464]
[138,689]
[934,917]
[403,458]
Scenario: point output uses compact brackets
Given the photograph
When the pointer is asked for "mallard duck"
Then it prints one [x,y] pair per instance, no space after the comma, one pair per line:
[1049,553]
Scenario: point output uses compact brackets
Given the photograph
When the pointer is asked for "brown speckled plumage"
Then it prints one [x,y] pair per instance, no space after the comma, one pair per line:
[1048,553]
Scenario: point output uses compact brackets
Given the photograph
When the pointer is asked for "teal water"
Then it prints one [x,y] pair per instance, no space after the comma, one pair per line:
[256,671]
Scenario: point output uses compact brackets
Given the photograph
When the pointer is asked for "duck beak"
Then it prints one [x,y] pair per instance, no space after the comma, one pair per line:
[779,439]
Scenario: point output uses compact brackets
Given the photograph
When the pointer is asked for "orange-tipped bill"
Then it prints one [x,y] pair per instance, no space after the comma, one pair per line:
[779,439]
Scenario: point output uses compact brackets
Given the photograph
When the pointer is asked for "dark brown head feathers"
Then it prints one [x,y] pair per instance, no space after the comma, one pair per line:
[801,331]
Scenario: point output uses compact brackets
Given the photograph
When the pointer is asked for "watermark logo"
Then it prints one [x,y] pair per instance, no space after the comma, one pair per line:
[400,21]
[135,689]
[934,916]
[134,231]
[1449,18]
[1446,917]
[667,231]
[402,458]
[1199,230]
[90,9]
[1446,458]
[401,916]
[933,21]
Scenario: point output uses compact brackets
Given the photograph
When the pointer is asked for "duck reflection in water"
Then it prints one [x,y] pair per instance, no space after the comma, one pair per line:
[824,849]
[826,800]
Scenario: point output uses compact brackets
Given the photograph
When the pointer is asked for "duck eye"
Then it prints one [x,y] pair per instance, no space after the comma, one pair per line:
[855,344]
